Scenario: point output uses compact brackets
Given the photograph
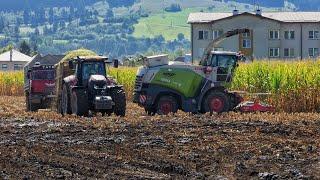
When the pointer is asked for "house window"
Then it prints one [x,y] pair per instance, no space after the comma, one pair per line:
[246,43]
[245,35]
[288,52]
[289,34]
[203,35]
[216,34]
[17,67]
[313,34]
[274,34]
[4,66]
[313,52]
[273,52]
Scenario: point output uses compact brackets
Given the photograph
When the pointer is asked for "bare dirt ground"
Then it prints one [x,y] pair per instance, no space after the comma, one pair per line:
[228,146]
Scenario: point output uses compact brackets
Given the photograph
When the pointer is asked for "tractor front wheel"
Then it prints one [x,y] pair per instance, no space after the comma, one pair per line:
[119,98]
[79,104]
[216,101]
[167,105]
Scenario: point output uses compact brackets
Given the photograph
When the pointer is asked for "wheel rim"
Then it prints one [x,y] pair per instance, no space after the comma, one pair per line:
[216,104]
[166,107]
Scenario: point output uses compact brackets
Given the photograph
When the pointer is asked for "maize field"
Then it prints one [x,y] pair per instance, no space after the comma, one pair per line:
[293,85]
[11,83]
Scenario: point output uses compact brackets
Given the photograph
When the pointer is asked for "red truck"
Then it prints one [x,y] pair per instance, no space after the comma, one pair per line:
[39,86]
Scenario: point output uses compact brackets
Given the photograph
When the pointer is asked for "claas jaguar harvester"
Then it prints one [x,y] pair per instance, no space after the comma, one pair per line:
[83,86]
[163,87]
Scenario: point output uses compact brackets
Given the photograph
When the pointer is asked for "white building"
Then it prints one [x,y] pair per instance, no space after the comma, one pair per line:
[285,35]
[13,60]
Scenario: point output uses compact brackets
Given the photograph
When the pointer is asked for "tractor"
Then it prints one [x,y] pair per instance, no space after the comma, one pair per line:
[82,86]
[164,87]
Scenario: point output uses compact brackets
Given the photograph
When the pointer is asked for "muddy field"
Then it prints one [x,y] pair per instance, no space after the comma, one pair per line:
[227,146]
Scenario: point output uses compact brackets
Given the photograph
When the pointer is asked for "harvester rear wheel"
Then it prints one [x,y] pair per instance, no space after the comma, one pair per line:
[216,101]
[119,98]
[167,105]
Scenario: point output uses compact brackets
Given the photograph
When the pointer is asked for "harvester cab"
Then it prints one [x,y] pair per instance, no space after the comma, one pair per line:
[163,87]
[88,88]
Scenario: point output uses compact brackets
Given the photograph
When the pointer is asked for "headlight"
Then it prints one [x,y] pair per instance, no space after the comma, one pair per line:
[97,87]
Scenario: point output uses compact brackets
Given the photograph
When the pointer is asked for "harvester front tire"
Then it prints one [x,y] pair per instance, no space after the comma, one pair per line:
[167,105]
[216,101]
[119,98]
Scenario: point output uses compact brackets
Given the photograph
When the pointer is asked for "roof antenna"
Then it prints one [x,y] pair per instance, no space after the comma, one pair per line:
[258,11]
[235,11]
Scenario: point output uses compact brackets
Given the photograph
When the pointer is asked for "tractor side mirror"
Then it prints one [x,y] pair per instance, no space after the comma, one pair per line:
[70,64]
[115,63]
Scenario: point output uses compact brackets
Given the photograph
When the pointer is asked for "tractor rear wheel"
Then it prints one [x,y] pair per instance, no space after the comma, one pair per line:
[65,101]
[167,105]
[119,98]
[27,103]
[79,104]
[216,101]
[31,106]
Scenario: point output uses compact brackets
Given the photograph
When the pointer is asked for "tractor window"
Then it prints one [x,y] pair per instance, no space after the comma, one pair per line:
[93,68]
[43,75]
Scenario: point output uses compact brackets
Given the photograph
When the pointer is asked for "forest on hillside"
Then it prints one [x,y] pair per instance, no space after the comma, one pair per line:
[18,5]
[95,26]
[105,26]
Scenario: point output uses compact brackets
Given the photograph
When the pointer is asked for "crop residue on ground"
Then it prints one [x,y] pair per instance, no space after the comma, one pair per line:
[233,145]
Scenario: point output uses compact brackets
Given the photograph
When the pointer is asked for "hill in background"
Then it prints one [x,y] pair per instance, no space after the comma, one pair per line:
[109,27]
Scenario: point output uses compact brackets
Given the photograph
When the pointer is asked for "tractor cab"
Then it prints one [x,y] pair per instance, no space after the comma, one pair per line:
[90,68]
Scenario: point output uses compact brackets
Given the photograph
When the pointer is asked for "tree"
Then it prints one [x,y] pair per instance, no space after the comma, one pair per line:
[173,8]
[25,48]
[109,14]
[37,32]
[26,17]
[16,33]
[2,24]
[7,48]
[51,16]
[55,27]
[180,36]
